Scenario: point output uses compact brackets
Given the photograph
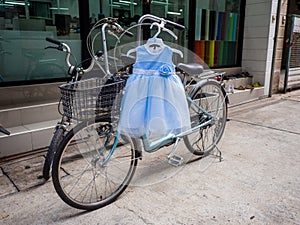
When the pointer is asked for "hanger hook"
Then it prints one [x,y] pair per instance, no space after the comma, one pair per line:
[160,27]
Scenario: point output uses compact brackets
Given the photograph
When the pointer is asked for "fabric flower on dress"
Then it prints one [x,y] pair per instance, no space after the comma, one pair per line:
[165,70]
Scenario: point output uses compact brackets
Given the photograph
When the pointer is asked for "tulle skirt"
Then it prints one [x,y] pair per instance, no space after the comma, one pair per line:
[153,105]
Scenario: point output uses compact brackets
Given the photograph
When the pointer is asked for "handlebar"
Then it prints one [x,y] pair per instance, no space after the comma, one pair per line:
[105,23]
[61,46]
[51,40]
[159,20]
[120,29]
[112,22]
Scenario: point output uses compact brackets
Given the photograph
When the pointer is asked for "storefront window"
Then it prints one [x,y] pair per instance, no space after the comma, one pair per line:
[127,11]
[216,31]
[130,11]
[174,10]
[24,25]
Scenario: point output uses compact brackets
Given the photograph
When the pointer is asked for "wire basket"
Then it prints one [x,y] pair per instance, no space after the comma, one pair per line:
[90,98]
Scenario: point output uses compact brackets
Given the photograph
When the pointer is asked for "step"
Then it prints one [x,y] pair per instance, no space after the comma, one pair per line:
[31,127]
[28,94]
[243,96]
[26,138]
[293,84]
[18,116]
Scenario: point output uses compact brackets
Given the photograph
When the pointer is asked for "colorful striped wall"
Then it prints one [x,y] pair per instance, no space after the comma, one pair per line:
[216,37]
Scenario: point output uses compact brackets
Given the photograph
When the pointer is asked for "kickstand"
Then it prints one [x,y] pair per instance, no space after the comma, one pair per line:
[175,160]
[219,154]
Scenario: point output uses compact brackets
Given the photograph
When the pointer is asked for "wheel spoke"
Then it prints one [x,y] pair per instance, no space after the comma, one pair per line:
[81,179]
[211,98]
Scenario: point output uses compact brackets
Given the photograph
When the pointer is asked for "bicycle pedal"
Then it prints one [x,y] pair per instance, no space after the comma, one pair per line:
[175,160]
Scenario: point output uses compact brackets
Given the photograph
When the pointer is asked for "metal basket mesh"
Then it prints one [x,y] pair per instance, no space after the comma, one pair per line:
[90,98]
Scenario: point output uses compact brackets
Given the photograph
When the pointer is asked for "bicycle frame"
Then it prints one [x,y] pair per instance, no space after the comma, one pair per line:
[152,146]
[155,145]
[105,48]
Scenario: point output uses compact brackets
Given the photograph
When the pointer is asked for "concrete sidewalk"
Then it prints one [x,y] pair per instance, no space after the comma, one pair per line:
[258,182]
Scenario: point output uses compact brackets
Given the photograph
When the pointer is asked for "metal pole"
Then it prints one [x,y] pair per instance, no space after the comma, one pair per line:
[289,56]
[275,47]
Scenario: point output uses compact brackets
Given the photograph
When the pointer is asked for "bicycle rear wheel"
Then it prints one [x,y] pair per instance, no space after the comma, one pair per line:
[212,98]
[79,175]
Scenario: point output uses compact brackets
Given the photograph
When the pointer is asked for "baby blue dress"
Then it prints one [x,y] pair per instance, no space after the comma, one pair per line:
[154,101]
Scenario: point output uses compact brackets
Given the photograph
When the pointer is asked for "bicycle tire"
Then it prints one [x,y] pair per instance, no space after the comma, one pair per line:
[56,139]
[211,96]
[78,176]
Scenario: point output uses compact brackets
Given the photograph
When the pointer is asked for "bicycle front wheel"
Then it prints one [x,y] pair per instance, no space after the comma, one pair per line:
[56,139]
[212,98]
[82,176]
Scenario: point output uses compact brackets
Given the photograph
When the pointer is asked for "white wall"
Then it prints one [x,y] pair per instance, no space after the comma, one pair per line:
[259,30]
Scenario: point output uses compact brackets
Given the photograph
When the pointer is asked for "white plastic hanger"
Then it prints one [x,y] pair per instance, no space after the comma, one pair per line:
[154,45]
[161,27]
[131,51]
[158,41]
[173,50]
[155,41]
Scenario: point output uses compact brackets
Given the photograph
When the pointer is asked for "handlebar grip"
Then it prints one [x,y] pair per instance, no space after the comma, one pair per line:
[54,41]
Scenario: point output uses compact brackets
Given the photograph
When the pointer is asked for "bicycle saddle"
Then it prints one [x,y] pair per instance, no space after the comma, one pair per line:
[191,68]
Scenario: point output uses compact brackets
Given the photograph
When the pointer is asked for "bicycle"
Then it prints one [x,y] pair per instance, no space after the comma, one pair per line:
[94,163]
[76,72]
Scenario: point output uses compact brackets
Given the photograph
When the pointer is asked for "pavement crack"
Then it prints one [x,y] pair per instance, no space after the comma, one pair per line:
[261,125]
[133,212]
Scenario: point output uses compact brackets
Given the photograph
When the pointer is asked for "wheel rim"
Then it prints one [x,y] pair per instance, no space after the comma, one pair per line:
[83,181]
[211,98]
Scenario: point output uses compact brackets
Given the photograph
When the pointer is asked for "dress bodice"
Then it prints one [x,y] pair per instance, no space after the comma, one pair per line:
[153,61]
